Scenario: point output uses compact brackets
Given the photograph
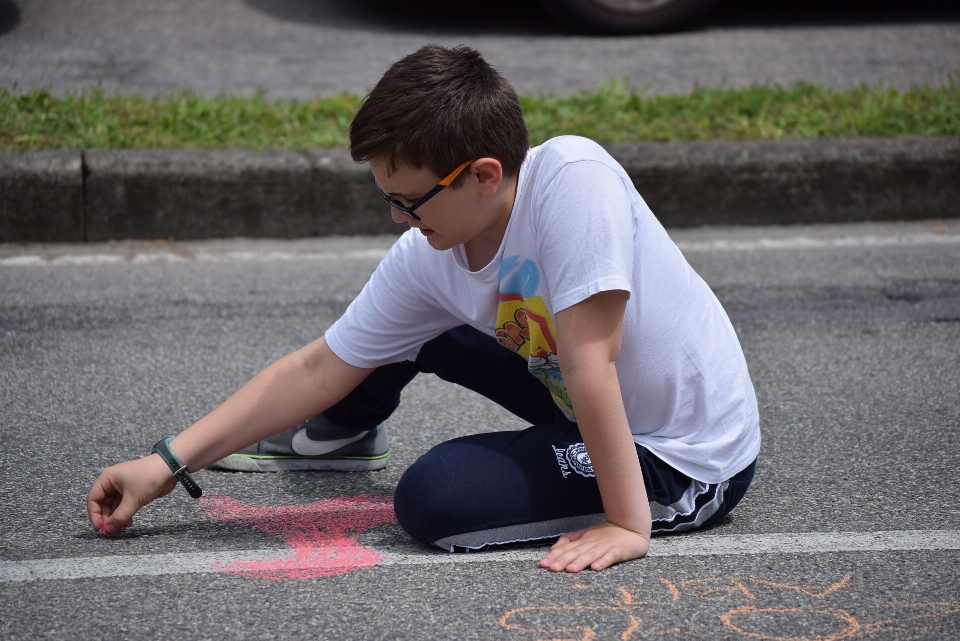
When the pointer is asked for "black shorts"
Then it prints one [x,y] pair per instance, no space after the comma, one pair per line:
[512,487]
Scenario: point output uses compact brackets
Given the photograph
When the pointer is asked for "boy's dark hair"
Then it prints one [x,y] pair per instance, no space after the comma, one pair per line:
[438,108]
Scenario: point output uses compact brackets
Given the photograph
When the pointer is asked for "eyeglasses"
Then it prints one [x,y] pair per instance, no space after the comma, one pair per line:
[396,204]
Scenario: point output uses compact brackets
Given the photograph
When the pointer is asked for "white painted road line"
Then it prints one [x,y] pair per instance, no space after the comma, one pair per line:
[125,565]
[186,254]
[168,257]
[686,545]
[804,242]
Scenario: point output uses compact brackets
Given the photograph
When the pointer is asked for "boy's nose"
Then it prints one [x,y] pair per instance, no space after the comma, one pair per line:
[399,217]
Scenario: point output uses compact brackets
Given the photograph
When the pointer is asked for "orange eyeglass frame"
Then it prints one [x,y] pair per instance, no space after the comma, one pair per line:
[396,204]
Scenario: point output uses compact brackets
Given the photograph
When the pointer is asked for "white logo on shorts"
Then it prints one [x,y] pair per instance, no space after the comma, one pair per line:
[574,459]
[579,460]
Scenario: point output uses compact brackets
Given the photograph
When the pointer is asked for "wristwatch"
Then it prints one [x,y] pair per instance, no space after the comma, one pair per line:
[179,470]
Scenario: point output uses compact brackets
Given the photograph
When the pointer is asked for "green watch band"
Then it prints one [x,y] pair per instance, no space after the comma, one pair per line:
[179,470]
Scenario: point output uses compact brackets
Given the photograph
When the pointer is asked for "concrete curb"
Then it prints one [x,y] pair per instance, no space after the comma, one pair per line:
[73,196]
[796,181]
[41,196]
[196,193]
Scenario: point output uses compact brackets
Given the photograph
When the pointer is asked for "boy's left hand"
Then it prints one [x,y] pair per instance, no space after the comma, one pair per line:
[597,547]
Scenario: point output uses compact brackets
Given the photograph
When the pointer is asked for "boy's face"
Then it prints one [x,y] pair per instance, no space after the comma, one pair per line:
[474,213]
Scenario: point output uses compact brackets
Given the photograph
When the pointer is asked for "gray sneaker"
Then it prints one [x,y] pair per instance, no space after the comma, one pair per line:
[315,444]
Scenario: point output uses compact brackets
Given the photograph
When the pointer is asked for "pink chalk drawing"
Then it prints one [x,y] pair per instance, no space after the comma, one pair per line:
[321,535]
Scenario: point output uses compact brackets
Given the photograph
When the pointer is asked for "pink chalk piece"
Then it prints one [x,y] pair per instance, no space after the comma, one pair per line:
[321,535]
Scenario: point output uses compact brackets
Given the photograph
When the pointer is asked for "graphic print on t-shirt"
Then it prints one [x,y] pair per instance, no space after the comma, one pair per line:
[524,326]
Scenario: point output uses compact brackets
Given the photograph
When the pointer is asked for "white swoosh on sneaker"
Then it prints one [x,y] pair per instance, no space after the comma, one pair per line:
[305,446]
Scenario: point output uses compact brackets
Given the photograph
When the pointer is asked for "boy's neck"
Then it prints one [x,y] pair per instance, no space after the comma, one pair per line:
[482,248]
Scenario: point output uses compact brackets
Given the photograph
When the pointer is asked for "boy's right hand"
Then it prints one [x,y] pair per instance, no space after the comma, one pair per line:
[122,489]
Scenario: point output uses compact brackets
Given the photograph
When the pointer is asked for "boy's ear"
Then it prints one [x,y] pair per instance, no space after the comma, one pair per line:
[488,172]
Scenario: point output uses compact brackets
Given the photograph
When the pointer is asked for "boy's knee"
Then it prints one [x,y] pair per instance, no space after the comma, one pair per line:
[456,487]
[420,500]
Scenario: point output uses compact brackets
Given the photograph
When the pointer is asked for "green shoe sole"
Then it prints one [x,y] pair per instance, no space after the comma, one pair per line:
[276,463]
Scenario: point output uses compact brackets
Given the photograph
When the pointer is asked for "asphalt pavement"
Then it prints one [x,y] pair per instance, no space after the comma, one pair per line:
[302,48]
[851,529]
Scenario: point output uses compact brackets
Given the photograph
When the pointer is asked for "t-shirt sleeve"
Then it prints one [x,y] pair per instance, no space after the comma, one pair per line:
[585,233]
[392,317]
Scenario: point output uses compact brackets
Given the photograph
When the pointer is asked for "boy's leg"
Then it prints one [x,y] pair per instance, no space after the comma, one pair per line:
[353,441]
[350,436]
[374,399]
[462,355]
[534,485]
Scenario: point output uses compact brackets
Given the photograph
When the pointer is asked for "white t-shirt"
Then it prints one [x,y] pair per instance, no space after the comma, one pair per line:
[578,227]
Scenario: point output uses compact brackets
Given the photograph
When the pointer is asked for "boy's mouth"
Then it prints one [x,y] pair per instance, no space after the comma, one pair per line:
[426,232]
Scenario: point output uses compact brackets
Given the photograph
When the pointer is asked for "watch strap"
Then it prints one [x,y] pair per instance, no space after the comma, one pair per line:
[162,447]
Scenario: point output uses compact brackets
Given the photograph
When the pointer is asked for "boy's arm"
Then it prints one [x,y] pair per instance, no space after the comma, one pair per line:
[287,392]
[588,342]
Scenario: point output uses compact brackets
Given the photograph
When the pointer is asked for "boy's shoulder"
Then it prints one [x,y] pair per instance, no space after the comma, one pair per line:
[566,149]
[569,163]
[583,159]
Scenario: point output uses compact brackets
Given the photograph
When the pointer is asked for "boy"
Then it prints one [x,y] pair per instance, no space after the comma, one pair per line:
[520,261]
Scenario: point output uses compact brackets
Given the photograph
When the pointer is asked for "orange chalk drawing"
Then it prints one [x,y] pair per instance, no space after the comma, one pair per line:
[321,535]
[514,619]
[920,615]
[809,590]
[674,592]
[750,618]
[735,619]
[721,586]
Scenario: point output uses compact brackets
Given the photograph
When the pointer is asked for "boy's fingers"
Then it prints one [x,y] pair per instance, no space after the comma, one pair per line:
[122,516]
[596,548]
[99,491]
[579,562]
[555,551]
[563,540]
[93,513]
[550,558]
[99,500]
[122,489]
[570,557]
[570,537]
[596,558]
[610,558]
[562,545]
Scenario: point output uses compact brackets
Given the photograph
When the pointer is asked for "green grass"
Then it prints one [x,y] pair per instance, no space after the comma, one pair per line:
[612,113]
